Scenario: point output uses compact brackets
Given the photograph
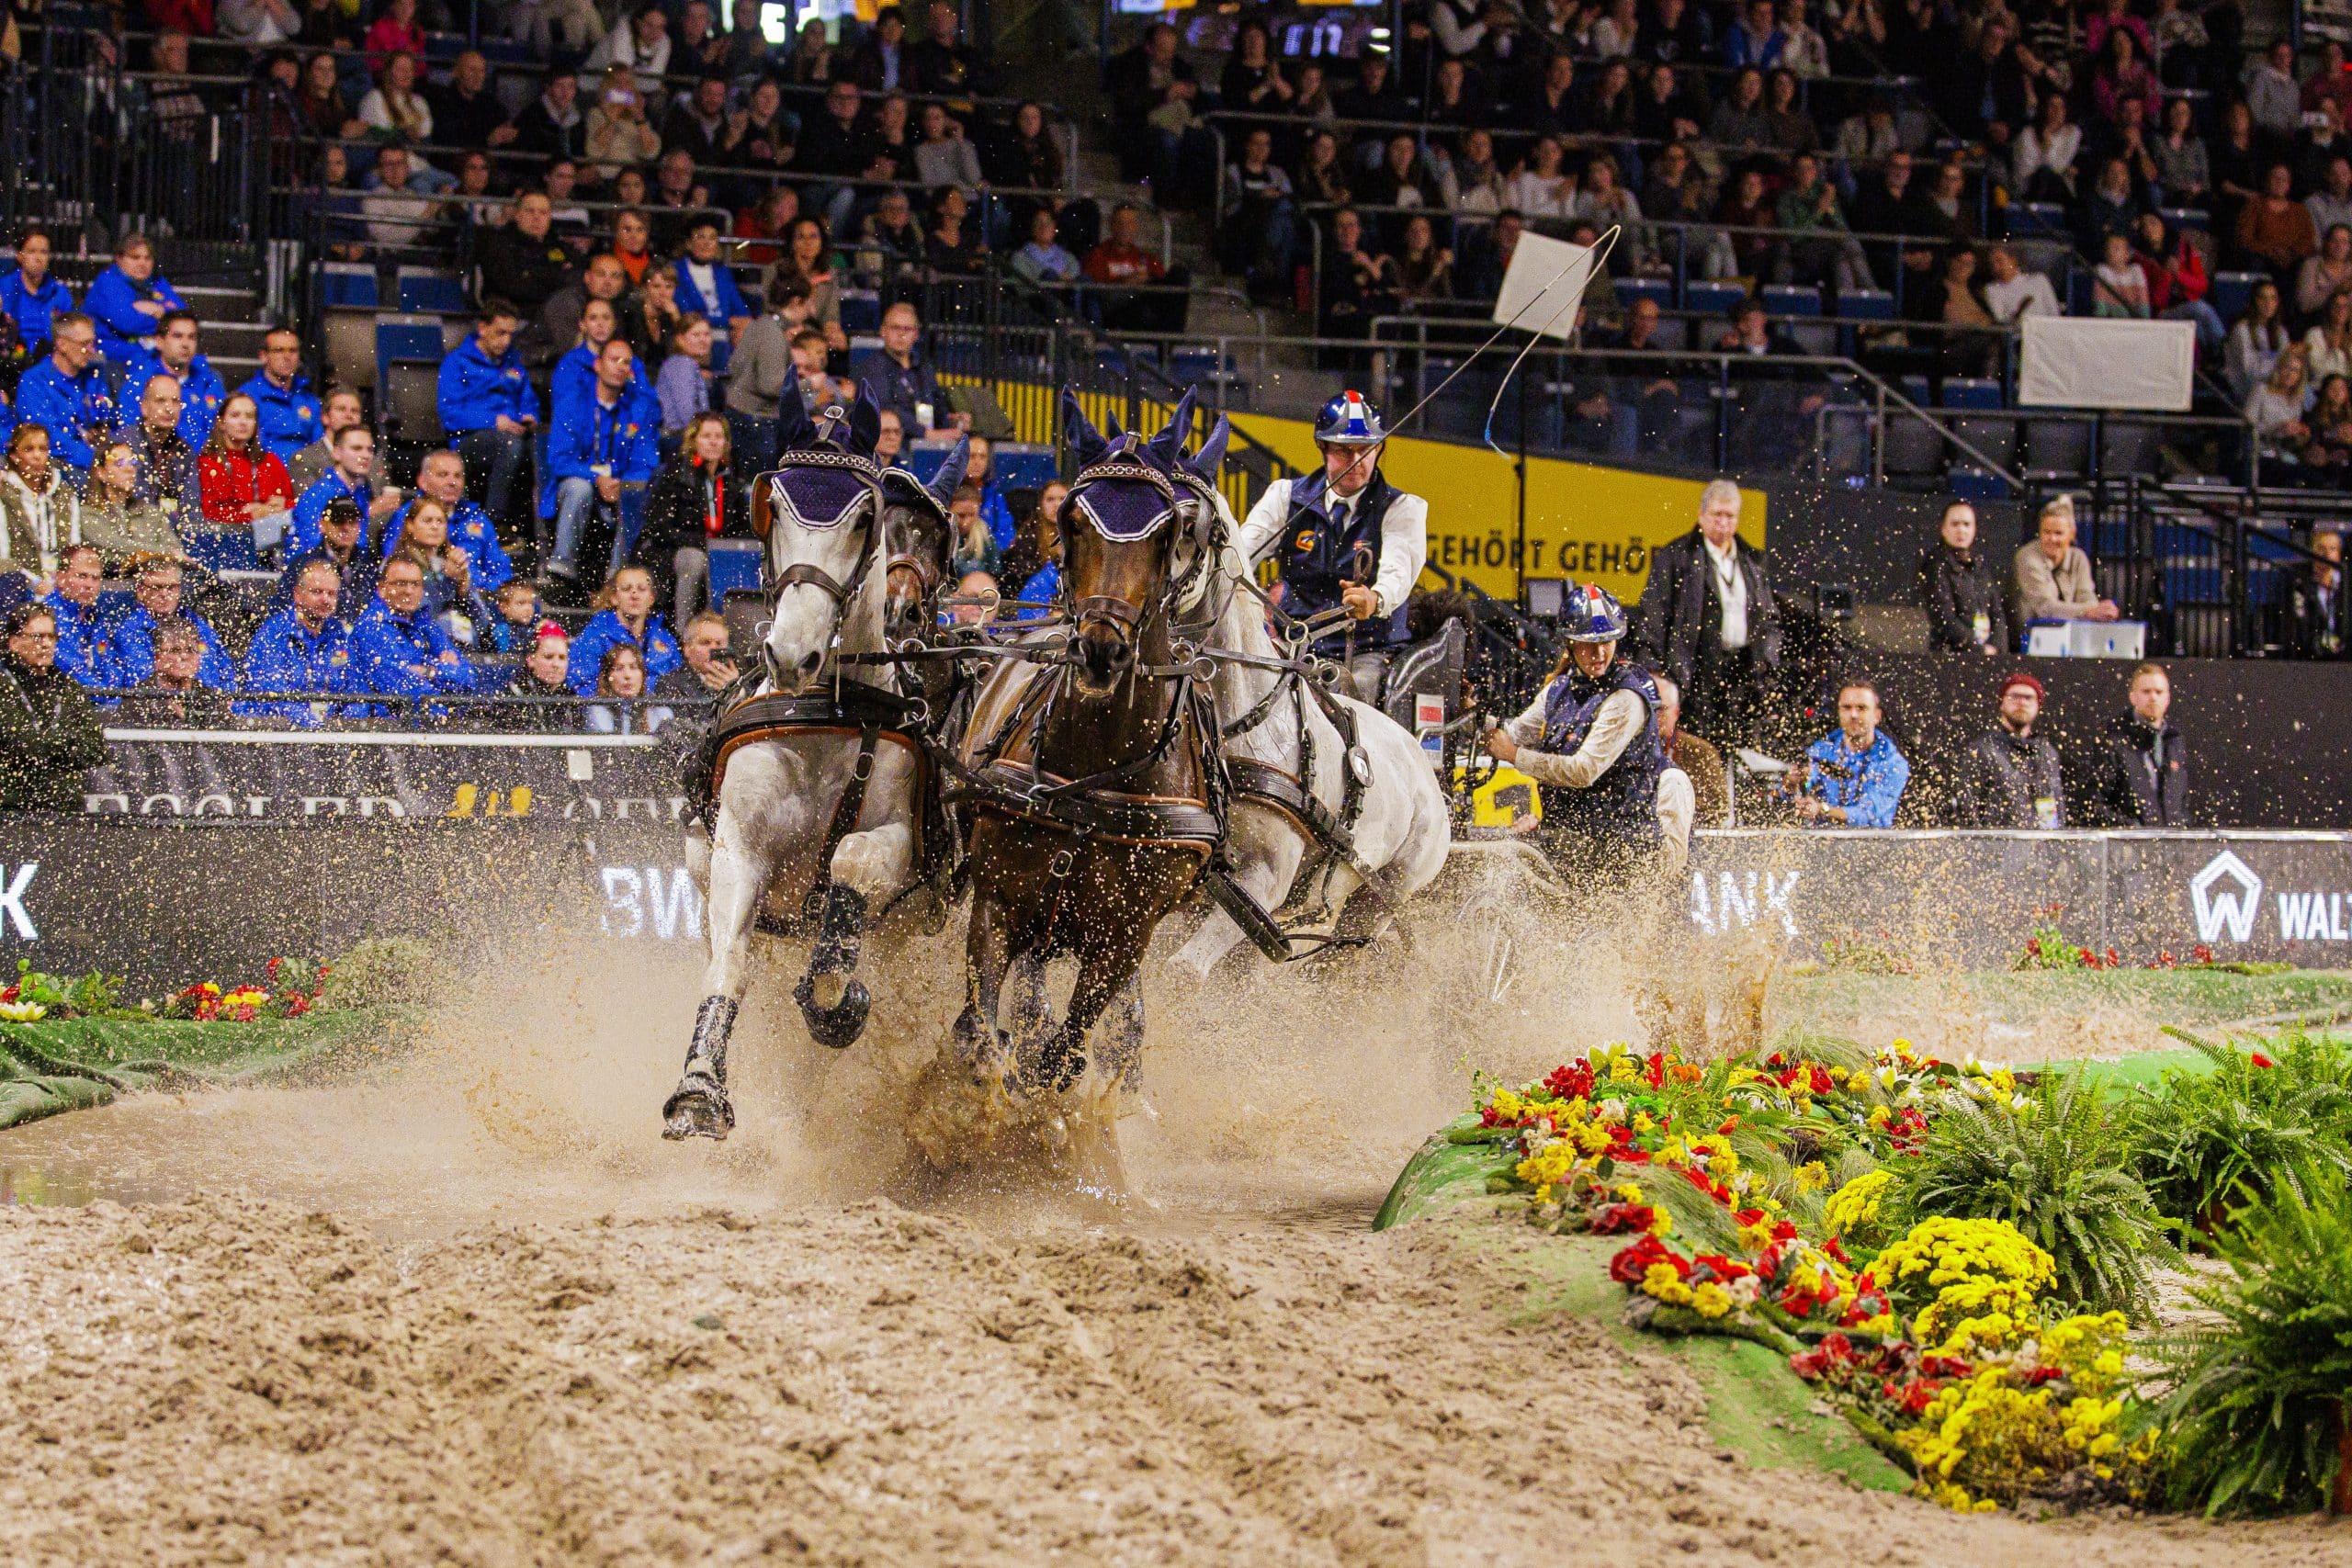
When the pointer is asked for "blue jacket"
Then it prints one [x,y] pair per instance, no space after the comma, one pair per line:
[1002,527]
[477,389]
[134,651]
[574,381]
[358,592]
[604,629]
[1867,787]
[628,436]
[286,658]
[201,394]
[719,311]
[66,406]
[471,531]
[111,302]
[312,505]
[1043,584]
[84,643]
[30,309]
[1620,806]
[408,655]
[902,386]
[289,415]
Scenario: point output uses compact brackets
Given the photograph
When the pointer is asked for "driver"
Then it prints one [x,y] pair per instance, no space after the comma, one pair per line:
[1345,538]
[1589,740]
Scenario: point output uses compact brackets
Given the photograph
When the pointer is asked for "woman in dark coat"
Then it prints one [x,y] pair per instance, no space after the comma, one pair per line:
[1967,612]
[690,503]
[48,729]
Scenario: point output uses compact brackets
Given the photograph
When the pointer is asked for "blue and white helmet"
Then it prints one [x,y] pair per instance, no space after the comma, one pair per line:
[1590,614]
[1350,420]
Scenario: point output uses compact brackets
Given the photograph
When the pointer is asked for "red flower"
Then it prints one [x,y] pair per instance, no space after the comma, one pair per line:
[1916,1398]
[1835,1353]
[2202,954]
[1749,1216]
[1820,1082]
[1724,1267]
[1942,1367]
[1571,1082]
[2041,1375]
[1785,1230]
[1655,1068]
[1628,1266]
[1615,1217]
[1837,1251]
[2262,1061]
[1730,1126]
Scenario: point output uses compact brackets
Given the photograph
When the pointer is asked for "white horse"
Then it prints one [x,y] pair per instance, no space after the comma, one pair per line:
[809,761]
[1402,829]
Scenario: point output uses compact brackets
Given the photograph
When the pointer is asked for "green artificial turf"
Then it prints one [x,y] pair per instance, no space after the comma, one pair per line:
[114,1055]
[2189,999]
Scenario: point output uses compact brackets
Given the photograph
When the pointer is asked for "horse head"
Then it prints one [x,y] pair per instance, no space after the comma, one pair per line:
[918,539]
[819,514]
[1118,545]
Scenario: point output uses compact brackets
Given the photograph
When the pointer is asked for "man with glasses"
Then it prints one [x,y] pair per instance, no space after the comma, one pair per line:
[133,640]
[902,379]
[65,394]
[287,410]
[398,649]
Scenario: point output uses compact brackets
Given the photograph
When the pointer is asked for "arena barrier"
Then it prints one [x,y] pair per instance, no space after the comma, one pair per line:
[167,899]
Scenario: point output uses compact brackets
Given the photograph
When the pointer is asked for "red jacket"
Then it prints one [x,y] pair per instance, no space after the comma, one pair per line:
[193,17]
[226,481]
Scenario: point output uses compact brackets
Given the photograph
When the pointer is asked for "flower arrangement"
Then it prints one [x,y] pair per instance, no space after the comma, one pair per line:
[34,996]
[1935,1339]
[208,1003]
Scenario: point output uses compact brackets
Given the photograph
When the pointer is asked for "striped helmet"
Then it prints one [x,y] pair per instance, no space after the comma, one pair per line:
[1592,613]
[1350,420]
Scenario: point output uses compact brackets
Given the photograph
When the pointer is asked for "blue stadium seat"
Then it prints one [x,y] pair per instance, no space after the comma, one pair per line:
[2037,218]
[405,340]
[1111,358]
[2128,446]
[1193,365]
[222,549]
[426,292]
[1024,467]
[1714,299]
[2231,291]
[2060,447]
[1866,304]
[350,284]
[1971,392]
[1791,299]
[2186,217]
[1659,288]
[1970,482]
[861,311]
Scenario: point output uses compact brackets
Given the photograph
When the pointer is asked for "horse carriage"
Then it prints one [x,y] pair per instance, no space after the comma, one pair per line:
[1161,733]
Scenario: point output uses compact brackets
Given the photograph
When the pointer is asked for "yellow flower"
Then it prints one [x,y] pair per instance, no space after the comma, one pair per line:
[1662,1282]
[1811,1176]
[22,1012]
[1710,1300]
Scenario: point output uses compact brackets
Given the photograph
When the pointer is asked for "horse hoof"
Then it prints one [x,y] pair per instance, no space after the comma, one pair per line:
[698,1107]
[840,1025]
[1061,1064]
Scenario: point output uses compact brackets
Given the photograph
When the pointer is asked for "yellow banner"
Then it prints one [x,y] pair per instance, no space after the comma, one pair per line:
[1584,522]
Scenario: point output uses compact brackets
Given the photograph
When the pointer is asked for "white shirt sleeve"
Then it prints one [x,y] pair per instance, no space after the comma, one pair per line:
[1265,523]
[1528,727]
[1678,803]
[1404,550]
[1619,720]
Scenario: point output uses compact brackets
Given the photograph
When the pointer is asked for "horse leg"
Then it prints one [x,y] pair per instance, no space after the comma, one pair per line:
[698,1107]
[1104,969]
[868,869]
[988,952]
[1123,1033]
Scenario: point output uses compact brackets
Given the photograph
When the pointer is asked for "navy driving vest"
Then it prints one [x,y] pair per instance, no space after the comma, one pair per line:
[1620,806]
[1316,558]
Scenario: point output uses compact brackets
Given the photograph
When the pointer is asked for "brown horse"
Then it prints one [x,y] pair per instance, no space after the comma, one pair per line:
[1091,779]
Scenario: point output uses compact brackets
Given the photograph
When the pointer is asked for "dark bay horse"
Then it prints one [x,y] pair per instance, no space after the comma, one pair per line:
[1091,779]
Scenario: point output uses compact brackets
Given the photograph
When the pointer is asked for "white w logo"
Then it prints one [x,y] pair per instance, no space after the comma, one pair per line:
[2231,908]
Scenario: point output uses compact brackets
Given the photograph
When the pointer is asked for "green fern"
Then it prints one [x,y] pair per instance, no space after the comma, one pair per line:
[2255,1125]
[2257,1407]
[2057,1168]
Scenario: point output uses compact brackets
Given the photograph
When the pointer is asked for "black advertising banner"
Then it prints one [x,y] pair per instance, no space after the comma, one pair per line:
[166,900]
[1977,897]
[400,777]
